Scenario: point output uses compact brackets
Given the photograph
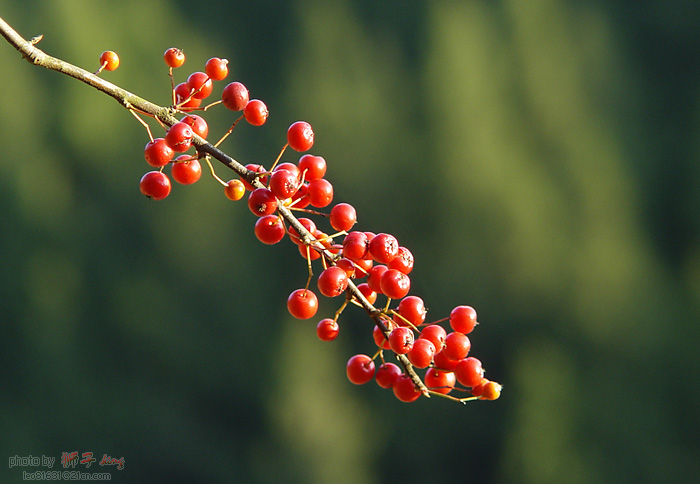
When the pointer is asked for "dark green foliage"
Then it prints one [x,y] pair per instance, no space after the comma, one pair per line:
[539,158]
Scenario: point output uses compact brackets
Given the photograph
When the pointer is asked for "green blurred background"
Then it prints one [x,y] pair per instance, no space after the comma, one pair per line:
[540,159]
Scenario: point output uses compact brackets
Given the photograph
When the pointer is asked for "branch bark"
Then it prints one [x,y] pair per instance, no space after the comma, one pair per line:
[166,115]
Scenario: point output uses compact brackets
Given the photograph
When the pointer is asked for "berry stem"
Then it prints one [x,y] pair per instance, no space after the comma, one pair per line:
[230,130]
[213,173]
[272,168]
[437,321]
[102,67]
[145,125]
[342,307]
[211,105]
[172,86]
[386,306]
[406,321]
[320,214]
[454,399]
[308,262]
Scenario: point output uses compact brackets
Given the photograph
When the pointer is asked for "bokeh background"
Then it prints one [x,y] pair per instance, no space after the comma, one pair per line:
[540,159]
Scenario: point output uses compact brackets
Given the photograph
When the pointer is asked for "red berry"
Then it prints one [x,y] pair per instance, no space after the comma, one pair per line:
[360,369]
[368,293]
[269,229]
[262,201]
[313,167]
[186,170]
[374,277]
[256,112]
[355,245]
[235,96]
[216,69]
[395,284]
[307,223]
[308,252]
[327,329]
[379,338]
[444,363]
[199,85]
[469,372]
[257,169]
[333,281]
[457,346]
[155,185]
[463,319]
[158,153]
[401,340]
[182,93]
[343,217]
[320,193]
[405,390]
[284,184]
[422,352]
[174,57]
[387,374]
[439,381]
[290,167]
[302,304]
[109,60]
[325,241]
[384,248]
[300,198]
[436,334]
[199,125]
[179,137]
[362,267]
[478,390]
[347,265]
[403,261]
[411,309]
[300,136]
[234,189]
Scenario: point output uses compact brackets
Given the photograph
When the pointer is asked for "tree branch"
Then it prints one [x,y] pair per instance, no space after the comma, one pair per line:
[166,115]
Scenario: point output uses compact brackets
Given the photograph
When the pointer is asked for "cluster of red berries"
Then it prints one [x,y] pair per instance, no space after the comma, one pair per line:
[429,346]
[378,265]
[358,265]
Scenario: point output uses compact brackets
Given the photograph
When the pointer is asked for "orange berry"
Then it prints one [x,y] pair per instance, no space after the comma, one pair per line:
[491,391]
[234,190]
[174,57]
[109,60]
